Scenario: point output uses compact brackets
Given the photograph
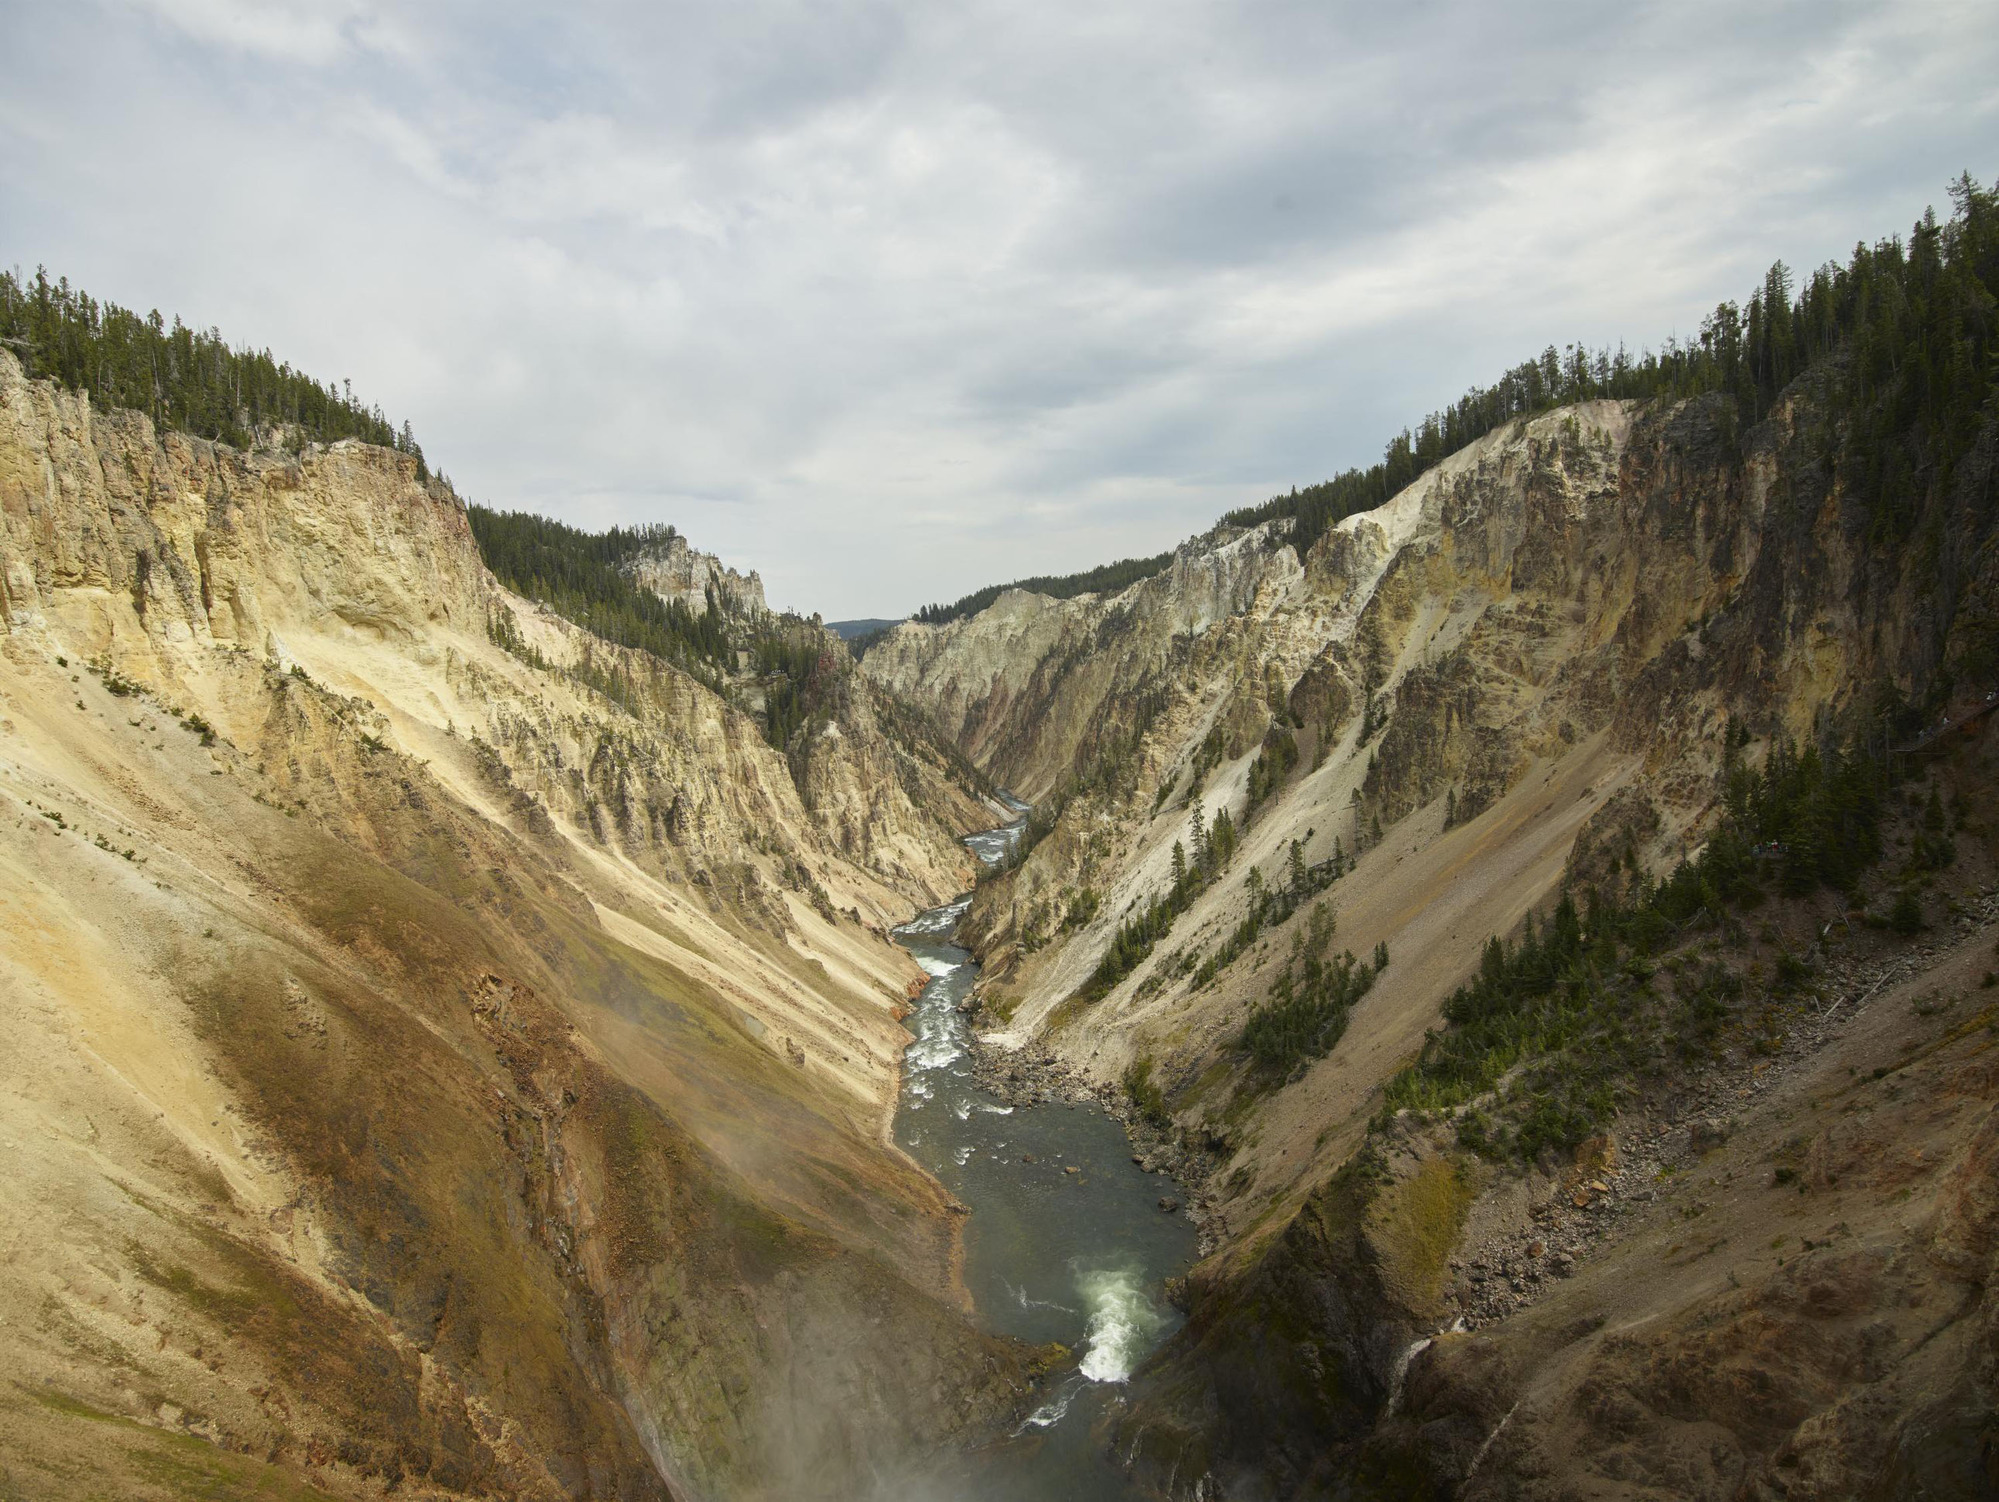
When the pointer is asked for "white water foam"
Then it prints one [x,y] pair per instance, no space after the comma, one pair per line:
[1021,1297]
[994,845]
[1123,1323]
[939,1040]
[1050,1413]
[934,967]
[933,1052]
[939,920]
[1400,1373]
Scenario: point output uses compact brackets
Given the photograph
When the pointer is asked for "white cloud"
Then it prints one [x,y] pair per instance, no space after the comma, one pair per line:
[316,32]
[892,300]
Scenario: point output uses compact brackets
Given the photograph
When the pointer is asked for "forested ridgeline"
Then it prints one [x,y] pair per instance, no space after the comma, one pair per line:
[795,675]
[180,377]
[1903,333]
[582,576]
[1107,578]
[1887,370]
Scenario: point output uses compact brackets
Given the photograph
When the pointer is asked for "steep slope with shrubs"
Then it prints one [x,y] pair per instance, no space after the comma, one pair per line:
[873,769]
[1662,636]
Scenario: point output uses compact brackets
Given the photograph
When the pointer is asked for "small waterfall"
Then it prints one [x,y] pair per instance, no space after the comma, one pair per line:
[1124,1323]
[1401,1373]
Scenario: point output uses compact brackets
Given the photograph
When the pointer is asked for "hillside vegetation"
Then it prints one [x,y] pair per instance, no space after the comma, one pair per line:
[181,377]
[1902,333]
[1106,578]
[1618,730]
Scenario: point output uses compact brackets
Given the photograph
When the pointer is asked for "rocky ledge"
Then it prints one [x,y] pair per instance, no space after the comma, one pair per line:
[1576,1212]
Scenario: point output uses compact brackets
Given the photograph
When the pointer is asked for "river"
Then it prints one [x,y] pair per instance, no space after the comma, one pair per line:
[1065,1241]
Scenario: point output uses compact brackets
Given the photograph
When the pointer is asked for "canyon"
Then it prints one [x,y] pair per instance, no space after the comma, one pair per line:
[446,1077]
[1530,673]
[1545,921]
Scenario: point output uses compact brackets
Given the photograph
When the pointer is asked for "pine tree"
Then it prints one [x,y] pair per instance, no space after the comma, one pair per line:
[1221,839]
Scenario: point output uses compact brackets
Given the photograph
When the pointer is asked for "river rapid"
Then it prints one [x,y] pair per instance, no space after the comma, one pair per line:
[1066,1241]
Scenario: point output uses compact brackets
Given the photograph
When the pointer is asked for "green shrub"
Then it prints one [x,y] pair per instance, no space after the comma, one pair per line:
[1905,916]
[1145,1092]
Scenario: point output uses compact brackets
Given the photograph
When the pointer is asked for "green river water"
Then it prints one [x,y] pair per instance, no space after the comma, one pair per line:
[1050,1255]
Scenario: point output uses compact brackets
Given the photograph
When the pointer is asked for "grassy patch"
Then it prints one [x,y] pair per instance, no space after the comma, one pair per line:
[1145,1092]
[136,1459]
[1417,1221]
[1001,1005]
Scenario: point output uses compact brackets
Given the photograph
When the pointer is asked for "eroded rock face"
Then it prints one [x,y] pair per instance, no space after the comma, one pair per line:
[677,572]
[1548,634]
[1744,1334]
[1035,689]
[438,1073]
[1521,671]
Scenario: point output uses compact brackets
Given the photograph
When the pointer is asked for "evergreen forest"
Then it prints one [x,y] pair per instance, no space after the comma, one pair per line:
[582,577]
[1108,578]
[1556,1023]
[1902,338]
[184,378]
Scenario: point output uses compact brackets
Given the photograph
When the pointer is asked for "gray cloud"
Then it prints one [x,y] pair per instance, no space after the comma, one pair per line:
[892,300]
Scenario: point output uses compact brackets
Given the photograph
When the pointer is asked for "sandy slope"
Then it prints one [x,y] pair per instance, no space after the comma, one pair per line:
[466,1084]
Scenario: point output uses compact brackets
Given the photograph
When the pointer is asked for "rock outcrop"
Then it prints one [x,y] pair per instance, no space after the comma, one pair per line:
[674,571]
[1035,690]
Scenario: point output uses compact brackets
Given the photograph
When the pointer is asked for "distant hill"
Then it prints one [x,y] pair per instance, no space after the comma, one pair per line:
[848,630]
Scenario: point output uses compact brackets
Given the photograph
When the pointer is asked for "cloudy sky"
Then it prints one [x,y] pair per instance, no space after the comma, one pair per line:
[891,300]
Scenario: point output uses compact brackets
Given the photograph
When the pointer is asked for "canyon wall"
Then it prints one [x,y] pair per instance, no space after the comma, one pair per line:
[1526,673]
[426,1071]
[1036,690]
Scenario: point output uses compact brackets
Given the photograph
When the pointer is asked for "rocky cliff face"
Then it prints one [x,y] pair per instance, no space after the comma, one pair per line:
[878,778]
[1036,690]
[1523,670]
[675,571]
[446,1074]
[1557,621]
